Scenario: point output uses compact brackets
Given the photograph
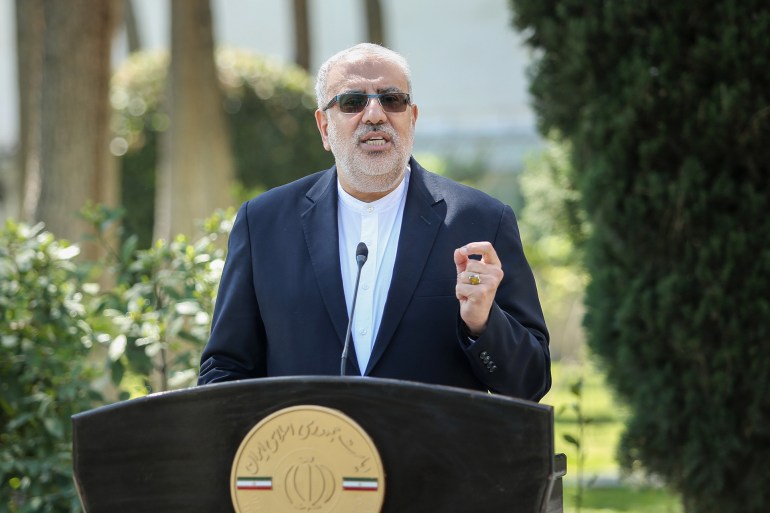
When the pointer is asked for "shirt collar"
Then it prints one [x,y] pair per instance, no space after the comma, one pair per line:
[392,199]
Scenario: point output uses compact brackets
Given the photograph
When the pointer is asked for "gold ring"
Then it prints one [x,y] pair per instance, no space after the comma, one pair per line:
[474,278]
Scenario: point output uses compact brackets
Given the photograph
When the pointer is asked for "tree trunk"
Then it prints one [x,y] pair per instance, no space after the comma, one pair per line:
[29,51]
[301,34]
[196,165]
[132,27]
[75,164]
[374,22]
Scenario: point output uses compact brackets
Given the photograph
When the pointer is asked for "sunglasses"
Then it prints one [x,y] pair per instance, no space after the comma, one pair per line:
[353,103]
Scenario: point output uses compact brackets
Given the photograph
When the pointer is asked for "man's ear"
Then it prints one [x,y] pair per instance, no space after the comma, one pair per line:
[323,124]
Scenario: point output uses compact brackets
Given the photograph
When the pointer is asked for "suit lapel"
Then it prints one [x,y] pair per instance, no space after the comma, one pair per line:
[419,227]
[319,223]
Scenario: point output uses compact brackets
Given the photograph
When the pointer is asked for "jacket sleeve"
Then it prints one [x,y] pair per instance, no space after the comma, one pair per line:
[236,347]
[512,357]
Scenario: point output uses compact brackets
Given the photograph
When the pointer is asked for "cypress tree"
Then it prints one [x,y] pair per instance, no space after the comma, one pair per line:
[667,108]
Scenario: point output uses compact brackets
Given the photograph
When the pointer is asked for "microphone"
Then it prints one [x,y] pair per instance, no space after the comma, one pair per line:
[362,253]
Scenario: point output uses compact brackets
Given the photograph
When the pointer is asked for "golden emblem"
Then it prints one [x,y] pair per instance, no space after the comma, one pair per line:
[307,458]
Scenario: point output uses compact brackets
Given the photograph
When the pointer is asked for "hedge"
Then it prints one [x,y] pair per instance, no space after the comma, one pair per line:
[667,109]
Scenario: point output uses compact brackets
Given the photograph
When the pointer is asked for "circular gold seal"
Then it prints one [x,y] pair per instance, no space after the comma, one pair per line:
[307,458]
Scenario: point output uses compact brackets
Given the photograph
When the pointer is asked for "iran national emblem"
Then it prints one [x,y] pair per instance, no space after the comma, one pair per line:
[307,458]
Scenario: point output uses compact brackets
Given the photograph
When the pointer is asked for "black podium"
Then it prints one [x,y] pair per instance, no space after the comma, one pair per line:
[442,449]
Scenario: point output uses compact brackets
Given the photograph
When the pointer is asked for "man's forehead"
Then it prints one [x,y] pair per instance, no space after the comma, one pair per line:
[357,71]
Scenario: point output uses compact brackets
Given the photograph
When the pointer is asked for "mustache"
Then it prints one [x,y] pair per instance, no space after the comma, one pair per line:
[383,129]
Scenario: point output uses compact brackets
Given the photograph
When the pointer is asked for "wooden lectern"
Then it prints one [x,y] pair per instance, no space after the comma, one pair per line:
[442,449]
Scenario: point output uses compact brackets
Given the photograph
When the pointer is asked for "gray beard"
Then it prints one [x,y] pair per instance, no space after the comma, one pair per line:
[368,173]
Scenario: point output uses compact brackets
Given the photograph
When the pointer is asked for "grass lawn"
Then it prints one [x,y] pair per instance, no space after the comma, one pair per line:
[608,493]
[623,499]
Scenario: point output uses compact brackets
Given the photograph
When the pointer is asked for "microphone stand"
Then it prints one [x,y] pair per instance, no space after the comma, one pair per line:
[362,253]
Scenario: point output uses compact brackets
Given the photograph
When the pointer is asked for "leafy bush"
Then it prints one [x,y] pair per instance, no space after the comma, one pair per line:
[45,376]
[666,108]
[160,304]
[63,339]
[270,109]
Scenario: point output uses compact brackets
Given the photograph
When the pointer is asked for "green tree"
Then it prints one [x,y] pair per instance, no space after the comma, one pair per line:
[270,114]
[667,108]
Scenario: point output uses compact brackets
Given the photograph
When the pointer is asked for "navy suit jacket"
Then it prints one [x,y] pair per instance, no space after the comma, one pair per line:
[281,307]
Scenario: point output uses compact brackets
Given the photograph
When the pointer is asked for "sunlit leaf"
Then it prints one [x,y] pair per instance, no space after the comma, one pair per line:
[571,440]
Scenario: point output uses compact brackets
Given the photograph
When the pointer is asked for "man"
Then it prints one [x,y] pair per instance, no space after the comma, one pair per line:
[446,295]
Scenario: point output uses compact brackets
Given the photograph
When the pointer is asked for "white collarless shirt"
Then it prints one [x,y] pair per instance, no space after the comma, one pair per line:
[378,225]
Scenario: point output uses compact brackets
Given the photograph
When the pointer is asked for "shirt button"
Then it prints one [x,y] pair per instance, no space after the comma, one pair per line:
[363,331]
[370,209]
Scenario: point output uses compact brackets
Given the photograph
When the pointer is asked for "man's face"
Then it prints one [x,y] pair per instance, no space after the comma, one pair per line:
[372,147]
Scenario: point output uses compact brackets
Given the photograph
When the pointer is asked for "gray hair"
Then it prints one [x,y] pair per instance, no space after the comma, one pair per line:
[370,49]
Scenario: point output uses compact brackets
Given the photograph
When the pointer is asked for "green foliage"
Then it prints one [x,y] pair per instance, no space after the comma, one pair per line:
[604,489]
[270,111]
[63,338]
[273,126]
[160,304]
[552,200]
[554,228]
[577,440]
[668,114]
[45,377]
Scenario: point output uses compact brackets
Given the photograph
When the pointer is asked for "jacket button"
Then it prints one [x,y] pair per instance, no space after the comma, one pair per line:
[483,355]
[493,368]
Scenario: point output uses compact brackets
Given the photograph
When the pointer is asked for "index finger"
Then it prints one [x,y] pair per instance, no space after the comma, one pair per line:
[484,249]
[460,256]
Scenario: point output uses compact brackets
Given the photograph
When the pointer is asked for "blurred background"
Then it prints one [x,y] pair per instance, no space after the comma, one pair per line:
[630,139]
[468,65]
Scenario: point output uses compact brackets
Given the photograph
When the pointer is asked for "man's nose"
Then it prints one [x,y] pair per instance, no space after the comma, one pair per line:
[374,113]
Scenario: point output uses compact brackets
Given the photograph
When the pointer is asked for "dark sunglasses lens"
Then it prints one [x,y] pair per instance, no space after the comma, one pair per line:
[352,102]
[394,102]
